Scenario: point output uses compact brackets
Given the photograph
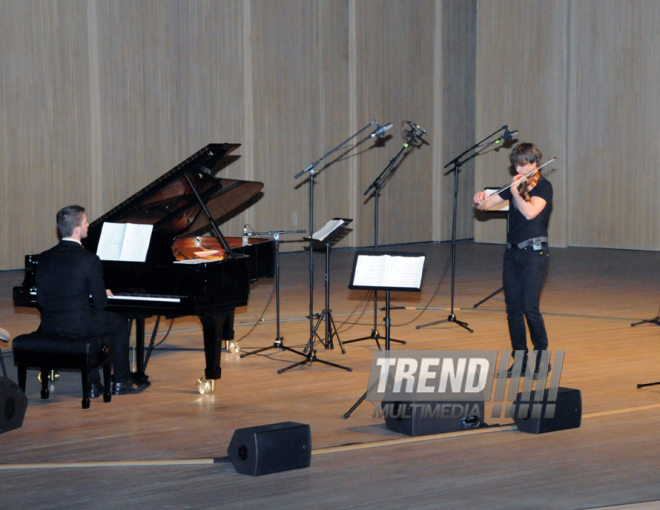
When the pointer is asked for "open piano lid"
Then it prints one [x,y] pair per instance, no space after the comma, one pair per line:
[169,203]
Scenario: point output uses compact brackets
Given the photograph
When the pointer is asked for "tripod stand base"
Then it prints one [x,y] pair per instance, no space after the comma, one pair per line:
[655,321]
[355,406]
[451,318]
[648,384]
[310,358]
[277,344]
[374,336]
[489,297]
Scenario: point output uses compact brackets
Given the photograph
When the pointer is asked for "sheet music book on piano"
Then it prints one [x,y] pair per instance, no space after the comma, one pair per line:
[128,242]
[386,271]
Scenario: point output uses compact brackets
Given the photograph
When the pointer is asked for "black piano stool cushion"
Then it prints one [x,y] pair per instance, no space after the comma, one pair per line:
[53,352]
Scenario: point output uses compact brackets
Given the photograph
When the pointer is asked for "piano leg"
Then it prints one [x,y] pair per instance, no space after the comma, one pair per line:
[139,376]
[218,327]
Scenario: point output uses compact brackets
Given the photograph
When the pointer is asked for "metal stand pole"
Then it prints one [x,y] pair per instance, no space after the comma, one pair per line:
[452,315]
[387,348]
[330,328]
[278,343]
[375,335]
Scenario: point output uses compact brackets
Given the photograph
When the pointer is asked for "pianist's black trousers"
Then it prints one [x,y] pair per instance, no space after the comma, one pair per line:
[114,327]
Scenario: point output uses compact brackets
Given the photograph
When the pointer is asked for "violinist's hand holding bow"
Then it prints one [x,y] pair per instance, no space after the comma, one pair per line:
[483,202]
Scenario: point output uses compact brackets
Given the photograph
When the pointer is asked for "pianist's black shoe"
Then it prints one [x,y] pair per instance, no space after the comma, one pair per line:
[123,388]
[96,390]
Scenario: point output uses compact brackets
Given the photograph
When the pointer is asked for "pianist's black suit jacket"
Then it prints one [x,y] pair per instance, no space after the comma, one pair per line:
[66,276]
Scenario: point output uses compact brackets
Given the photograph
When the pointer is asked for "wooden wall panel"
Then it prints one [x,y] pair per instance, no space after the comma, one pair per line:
[522,51]
[614,119]
[171,82]
[44,96]
[301,100]
[455,113]
[100,98]
[395,59]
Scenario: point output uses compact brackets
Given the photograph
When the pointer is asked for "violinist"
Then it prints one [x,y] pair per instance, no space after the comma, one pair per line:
[526,257]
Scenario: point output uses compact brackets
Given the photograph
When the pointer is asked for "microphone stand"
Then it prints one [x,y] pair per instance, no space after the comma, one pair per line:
[377,185]
[278,343]
[311,355]
[456,163]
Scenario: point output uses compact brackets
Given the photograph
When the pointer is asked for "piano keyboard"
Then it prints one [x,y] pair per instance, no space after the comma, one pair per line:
[147,297]
[136,297]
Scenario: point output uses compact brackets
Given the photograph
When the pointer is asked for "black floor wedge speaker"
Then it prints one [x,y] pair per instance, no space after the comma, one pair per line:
[426,418]
[13,404]
[271,448]
[567,412]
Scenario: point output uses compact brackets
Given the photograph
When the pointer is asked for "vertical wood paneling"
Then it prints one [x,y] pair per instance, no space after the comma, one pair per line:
[171,82]
[395,48]
[100,98]
[44,142]
[614,119]
[522,82]
[333,192]
[456,118]
[285,74]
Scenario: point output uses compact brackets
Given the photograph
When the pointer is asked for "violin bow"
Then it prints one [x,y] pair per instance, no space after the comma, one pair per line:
[527,175]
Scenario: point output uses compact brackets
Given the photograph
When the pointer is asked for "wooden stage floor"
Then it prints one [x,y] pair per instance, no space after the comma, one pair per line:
[589,302]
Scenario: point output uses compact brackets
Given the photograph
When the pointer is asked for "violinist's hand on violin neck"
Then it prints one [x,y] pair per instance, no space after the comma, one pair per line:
[480,197]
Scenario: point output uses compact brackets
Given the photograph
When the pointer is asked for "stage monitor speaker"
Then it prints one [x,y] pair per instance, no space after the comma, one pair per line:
[426,418]
[13,404]
[567,412]
[271,448]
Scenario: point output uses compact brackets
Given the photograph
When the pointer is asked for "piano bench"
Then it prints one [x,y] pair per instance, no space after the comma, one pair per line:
[53,352]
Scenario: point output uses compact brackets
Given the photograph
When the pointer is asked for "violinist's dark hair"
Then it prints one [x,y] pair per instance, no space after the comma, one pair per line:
[68,218]
[525,153]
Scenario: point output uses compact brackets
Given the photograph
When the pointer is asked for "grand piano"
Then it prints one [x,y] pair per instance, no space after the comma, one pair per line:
[183,205]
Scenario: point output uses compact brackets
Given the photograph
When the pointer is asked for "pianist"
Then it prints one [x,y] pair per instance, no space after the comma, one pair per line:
[66,276]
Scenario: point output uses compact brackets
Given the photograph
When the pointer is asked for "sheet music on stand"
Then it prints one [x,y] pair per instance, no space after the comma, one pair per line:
[503,207]
[387,271]
[334,226]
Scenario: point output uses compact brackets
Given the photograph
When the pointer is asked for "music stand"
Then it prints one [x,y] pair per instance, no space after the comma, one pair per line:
[278,343]
[377,186]
[326,235]
[386,271]
[499,208]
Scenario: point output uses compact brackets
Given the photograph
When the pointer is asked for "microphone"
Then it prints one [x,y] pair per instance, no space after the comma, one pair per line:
[381,130]
[420,128]
[508,135]
[412,130]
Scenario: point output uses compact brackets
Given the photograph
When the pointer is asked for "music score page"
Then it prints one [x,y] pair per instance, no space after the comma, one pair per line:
[388,271]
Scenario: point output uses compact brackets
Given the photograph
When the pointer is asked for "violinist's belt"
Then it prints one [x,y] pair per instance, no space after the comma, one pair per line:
[536,242]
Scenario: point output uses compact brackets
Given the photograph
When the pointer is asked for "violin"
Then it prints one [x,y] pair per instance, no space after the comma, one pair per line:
[528,184]
[527,178]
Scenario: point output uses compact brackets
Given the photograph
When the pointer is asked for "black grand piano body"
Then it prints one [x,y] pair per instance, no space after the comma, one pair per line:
[209,290]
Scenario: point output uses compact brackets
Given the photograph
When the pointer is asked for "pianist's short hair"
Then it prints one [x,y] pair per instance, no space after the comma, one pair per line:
[525,153]
[68,218]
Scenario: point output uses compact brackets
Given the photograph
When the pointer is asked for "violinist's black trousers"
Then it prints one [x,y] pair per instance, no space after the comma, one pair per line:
[523,277]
